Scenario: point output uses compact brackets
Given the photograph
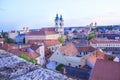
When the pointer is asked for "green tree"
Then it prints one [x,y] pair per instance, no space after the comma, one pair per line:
[6,40]
[24,56]
[59,67]
[33,60]
[91,35]
[61,39]
[10,40]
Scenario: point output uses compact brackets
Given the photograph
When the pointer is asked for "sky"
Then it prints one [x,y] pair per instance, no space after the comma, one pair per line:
[35,14]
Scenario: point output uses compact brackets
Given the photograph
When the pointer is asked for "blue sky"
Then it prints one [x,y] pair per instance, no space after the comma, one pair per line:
[16,14]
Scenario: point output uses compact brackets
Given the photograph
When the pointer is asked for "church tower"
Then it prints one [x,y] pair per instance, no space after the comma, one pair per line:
[59,23]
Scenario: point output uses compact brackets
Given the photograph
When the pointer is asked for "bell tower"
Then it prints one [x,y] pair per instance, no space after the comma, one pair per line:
[59,23]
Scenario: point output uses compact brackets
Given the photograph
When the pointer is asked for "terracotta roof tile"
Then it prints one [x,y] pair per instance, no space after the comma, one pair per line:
[85,49]
[106,70]
[1,39]
[69,50]
[17,51]
[43,31]
[47,43]
[99,55]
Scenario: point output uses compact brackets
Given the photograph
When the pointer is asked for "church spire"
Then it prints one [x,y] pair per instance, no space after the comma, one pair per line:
[61,19]
[56,18]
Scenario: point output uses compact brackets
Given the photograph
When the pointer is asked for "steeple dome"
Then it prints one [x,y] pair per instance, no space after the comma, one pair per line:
[56,18]
[61,19]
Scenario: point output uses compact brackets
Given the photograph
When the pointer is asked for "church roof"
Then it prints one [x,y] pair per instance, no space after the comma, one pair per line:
[43,31]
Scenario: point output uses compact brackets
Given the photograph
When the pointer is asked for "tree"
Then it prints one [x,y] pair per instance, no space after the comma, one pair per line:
[24,41]
[6,40]
[59,67]
[91,35]
[24,56]
[61,39]
[10,40]
[33,60]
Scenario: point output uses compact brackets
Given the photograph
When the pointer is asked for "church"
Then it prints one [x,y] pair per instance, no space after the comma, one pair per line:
[51,33]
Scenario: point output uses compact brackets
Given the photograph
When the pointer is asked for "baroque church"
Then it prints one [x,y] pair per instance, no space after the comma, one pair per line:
[50,33]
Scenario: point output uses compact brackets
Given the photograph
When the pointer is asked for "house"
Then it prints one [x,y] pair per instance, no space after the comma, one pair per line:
[20,39]
[51,33]
[12,34]
[66,55]
[84,50]
[32,51]
[99,54]
[52,45]
[105,70]
[108,36]
[1,40]
[103,43]
[41,51]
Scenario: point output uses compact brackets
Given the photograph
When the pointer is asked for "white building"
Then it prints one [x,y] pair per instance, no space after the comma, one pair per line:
[104,43]
[63,59]
[66,55]
[12,34]
[40,50]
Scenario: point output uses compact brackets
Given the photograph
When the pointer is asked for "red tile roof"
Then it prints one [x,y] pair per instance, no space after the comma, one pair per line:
[69,50]
[47,43]
[43,31]
[34,47]
[106,70]
[1,39]
[7,47]
[17,51]
[99,55]
[85,49]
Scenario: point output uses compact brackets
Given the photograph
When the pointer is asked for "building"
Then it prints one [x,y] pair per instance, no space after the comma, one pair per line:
[104,43]
[32,51]
[99,54]
[52,45]
[20,39]
[12,34]
[105,70]
[1,40]
[84,50]
[52,33]
[66,55]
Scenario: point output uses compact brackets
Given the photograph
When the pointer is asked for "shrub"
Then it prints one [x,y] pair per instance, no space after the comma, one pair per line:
[59,67]
[32,60]
[91,35]
[24,56]
[61,40]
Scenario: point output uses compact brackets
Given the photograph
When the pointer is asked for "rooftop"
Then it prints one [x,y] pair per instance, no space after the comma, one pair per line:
[106,70]
[69,49]
[98,54]
[43,31]
[47,43]
[77,73]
